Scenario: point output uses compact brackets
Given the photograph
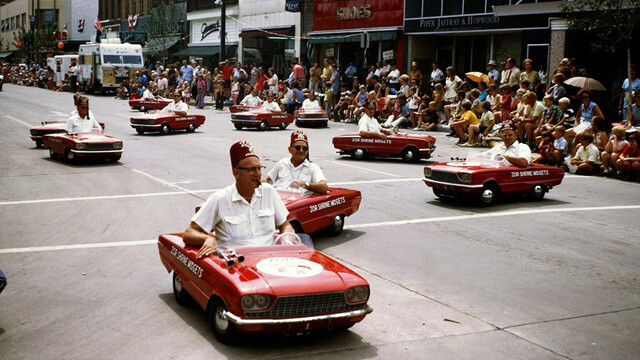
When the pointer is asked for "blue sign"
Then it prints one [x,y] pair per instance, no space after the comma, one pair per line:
[292,5]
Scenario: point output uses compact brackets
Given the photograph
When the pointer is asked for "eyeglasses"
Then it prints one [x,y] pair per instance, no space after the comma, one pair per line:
[300,147]
[176,96]
[256,169]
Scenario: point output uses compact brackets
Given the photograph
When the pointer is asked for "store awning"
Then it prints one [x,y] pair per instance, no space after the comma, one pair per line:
[155,45]
[198,51]
[5,54]
[334,39]
[265,32]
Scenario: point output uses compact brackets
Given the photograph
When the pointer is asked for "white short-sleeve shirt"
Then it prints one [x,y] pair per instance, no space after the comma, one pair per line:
[270,107]
[516,150]
[76,124]
[283,173]
[176,106]
[240,223]
[589,153]
[367,123]
[251,100]
[148,94]
[308,104]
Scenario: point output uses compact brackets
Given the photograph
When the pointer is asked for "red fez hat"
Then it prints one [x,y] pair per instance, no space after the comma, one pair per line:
[240,150]
[298,135]
[509,125]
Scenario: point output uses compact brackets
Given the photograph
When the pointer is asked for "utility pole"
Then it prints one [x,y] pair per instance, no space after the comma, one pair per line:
[223,32]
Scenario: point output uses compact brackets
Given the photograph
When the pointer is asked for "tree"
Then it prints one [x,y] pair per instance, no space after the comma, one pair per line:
[164,23]
[612,23]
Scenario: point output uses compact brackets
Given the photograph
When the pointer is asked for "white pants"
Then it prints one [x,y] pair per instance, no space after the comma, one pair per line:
[396,122]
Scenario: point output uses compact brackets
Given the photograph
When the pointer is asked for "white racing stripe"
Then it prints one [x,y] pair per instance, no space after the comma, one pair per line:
[493,214]
[363,168]
[19,121]
[356,226]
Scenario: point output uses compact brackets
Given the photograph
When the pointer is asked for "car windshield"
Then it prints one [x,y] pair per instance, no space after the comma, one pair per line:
[483,158]
[287,242]
[122,59]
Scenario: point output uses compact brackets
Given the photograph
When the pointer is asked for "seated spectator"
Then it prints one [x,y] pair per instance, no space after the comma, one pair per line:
[587,110]
[599,131]
[487,121]
[453,111]
[628,163]
[296,99]
[633,116]
[460,126]
[400,113]
[550,116]
[559,149]
[612,150]
[587,158]
[568,116]
[544,145]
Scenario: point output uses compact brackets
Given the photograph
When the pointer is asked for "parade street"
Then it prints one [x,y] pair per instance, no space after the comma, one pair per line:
[551,279]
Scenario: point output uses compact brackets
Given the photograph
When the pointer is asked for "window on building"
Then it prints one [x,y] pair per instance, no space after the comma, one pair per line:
[23,20]
[491,3]
[474,6]
[452,7]
[47,16]
[432,8]
[413,9]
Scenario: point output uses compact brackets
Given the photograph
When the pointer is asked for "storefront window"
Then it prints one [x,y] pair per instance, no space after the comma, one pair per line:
[474,6]
[432,8]
[491,3]
[452,7]
[413,9]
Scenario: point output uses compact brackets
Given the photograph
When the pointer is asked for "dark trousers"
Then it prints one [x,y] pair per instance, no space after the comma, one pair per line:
[3,280]
[220,101]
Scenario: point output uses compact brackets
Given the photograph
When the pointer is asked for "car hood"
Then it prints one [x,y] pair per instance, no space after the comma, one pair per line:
[91,138]
[455,166]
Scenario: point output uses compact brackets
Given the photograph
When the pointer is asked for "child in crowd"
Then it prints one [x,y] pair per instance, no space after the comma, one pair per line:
[328,97]
[628,163]
[487,121]
[543,148]
[612,150]
[559,148]
[567,115]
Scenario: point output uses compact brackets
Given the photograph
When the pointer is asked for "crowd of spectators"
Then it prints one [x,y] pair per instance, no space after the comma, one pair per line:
[562,123]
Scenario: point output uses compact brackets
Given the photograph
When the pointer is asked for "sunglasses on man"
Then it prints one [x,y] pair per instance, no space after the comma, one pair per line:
[300,147]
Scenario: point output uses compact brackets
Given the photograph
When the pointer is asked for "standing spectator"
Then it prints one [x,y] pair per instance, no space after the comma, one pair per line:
[314,77]
[253,73]
[633,117]
[542,74]
[159,67]
[202,88]
[493,74]
[335,80]
[73,77]
[297,100]
[186,92]
[163,85]
[513,73]
[326,71]
[218,86]
[273,82]
[262,78]
[503,73]
[235,90]
[415,73]
[349,73]
[187,72]
[299,75]
[378,71]
[452,85]
[530,74]
[328,98]
[628,86]
[227,73]
[394,77]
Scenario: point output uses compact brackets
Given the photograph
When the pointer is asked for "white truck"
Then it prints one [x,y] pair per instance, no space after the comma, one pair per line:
[103,66]
[60,65]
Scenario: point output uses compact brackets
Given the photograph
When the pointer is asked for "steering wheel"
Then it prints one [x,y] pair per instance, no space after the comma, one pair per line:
[287,238]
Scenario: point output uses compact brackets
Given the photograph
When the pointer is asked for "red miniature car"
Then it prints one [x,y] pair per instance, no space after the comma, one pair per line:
[241,108]
[487,179]
[149,104]
[84,145]
[166,122]
[49,127]
[311,117]
[286,287]
[409,147]
[315,212]
[261,120]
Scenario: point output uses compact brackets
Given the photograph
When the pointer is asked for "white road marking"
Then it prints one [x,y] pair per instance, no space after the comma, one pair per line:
[126,116]
[163,182]
[59,113]
[169,193]
[18,120]
[363,168]
[356,226]
[77,246]
[493,214]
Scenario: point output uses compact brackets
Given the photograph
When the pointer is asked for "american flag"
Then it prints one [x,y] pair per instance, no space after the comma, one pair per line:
[97,25]
[64,30]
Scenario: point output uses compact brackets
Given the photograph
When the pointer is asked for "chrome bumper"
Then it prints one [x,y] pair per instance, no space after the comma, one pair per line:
[96,152]
[428,181]
[145,125]
[241,322]
[246,121]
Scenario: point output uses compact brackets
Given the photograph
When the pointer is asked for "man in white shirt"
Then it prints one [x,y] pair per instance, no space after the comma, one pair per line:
[531,117]
[510,151]
[311,103]
[437,76]
[493,74]
[394,77]
[270,105]
[587,159]
[80,121]
[177,106]
[386,68]
[147,94]
[163,85]
[369,127]
[252,99]
[246,213]
[298,173]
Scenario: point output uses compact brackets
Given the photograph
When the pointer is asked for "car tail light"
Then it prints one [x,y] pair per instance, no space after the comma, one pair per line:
[255,302]
[356,294]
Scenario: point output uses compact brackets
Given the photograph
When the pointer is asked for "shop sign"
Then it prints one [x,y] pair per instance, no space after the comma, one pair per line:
[207,31]
[357,14]
[289,54]
[292,6]
[330,52]
[474,23]
[387,55]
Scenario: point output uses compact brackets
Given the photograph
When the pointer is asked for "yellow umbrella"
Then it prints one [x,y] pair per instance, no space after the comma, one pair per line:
[585,83]
[477,76]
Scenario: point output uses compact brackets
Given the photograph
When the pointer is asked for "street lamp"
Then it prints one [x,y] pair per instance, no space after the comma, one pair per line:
[223,18]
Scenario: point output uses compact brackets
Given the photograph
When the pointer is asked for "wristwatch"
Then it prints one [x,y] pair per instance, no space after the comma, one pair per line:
[306,184]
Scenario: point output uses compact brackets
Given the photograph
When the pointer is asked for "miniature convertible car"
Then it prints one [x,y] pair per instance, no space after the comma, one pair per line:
[409,147]
[286,287]
[166,122]
[261,120]
[49,127]
[84,145]
[311,117]
[241,108]
[149,104]
[315,212]
[487,179]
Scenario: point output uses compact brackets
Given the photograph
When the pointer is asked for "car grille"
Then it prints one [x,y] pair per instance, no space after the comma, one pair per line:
[143,121]
[100,147]
[33,132]
[444,176]
[302,305]
[243,117]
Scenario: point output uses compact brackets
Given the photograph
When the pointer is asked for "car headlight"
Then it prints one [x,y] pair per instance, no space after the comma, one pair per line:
[81,146]
[356,294]
[427,171]
[117,146]
[465,177]
[255,302]
[33,132]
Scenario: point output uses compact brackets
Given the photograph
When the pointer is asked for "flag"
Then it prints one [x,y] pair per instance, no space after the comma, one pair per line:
[65,33]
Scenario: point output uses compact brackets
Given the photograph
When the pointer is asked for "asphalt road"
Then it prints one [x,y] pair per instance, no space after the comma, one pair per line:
[556,279]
